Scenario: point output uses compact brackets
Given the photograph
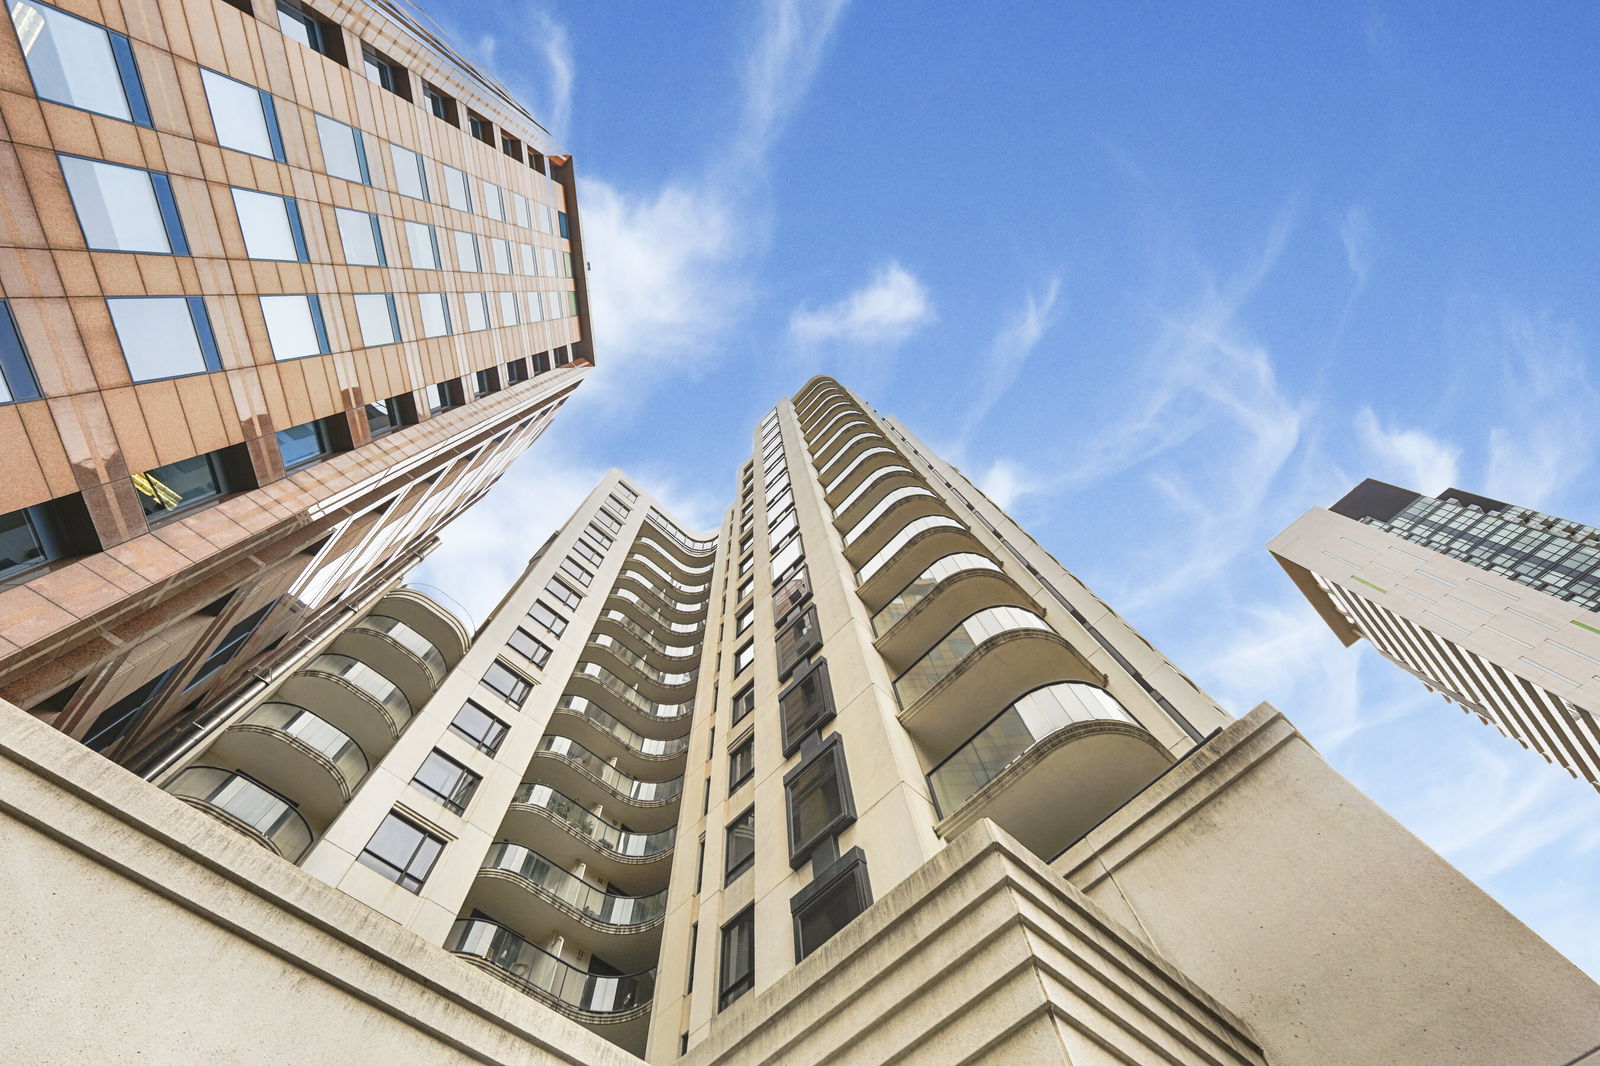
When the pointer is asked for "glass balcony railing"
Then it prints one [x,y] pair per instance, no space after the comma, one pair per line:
[358,674]
[409,639]
[574,891]
[631,696]
[541,974]
[648,537]
[649,586]
[315,733]
[639,663]
[1013,731]
[907,598]
[870,519]
[654,614]
[611,614]
[656,568]
[608,722]
[248,803]
[844,475]
[850,432]
[960,642]
[661,521]
[612,838]
[920,525]
[866,485]
[619,782]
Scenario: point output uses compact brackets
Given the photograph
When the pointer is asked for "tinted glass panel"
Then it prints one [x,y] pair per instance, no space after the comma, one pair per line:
[239,116]
[166,488]
[71,60]
[116,206]
[158,336]
[301,444]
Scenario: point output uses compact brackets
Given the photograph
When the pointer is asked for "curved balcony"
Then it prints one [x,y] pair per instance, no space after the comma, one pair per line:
[994,655]
[813,393]
[881,479]
[632,661]
[399,652]
[641,559]
[674,552]
[591,673]
[652,643]
[952,587]
[439,626]
[909,552]
[858,438]
[887,517]
[696,547]
[824,413]
[818,442]
[294,751]
[660,600]
[553,823]
[245,806]
[615,737]
[579,773]
[857,469]
[1048,767]
[618,1007]
[655,617]
[622,929]
[351,696]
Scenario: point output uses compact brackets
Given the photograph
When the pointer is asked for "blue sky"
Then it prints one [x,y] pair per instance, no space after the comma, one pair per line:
[1158,278]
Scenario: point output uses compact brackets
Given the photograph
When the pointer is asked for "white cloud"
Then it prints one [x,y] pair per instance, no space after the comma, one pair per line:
[884,312]
[556,48]
[1410,458]
[1009,350]
[1546,445]
[1357,235]
[1006,481]
[791,40]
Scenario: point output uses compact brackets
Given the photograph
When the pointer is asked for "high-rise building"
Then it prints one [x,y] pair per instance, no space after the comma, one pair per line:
[286,287]
[1494,607]
[865,776]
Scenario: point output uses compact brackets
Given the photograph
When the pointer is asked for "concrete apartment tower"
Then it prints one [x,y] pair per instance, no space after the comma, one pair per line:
[863,777]
[285,288]
[1493,606]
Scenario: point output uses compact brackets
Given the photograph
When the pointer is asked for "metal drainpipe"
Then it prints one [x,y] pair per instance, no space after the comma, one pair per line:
[234,706]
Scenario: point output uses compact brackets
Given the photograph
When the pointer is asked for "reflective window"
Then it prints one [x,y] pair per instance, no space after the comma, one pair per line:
[387,73]
[467,252]
[445,780]
[382,416]
[509,315]
[78,63]
[563,592]
[745,619]
[423,246]
[535,307]
[410,175]
[303,443]
[20,544]
[529,647]
[17,381]
[818,795]
[958,644]
[344,154]
[164,336]
[529,261]
[244,117]
[271,226]
[500,253]
[457,191]
[744,701]
[188,481]
[402,852]
[479,726]
[375,313]
[506,683]
[824,907]
[549,256]
[796,641]
[435,314]
[493,202]
[588,551]
[739,850]
[123,209]
[805,705]
[738,970]
[362,240]
[744,657]
[294,326]
[477,310]
[315,34]
[524,210]
[741,763]
[542,614]
[439,105]
[447,394]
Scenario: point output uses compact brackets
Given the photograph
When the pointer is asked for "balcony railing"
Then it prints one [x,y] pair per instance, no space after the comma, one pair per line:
[611,614]
[648,608]
[649,586]
[844,475]
[655,567]
[616,780]
[867,483]
[596,903]
[363,677]
[870,568]
[907,598]
[960,642]
[409,639]
[881,508]
[699,547]
[648,746]
[263,812]
[612,838]
[639,663]
[1012,732]
[315,733]
[617,687]
[541,974]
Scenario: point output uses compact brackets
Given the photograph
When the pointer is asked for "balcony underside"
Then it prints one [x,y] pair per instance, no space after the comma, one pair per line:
[944,606]
[551,836]
[532,911]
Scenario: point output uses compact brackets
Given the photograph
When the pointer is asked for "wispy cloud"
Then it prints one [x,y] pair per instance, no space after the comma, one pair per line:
[1003,360]
[1358,237]
[1546,443]
[1411,458]
[792,38]
[507,51]
[1007,481]
[891,306]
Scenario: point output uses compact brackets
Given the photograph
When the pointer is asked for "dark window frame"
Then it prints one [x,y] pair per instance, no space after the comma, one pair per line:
[541,653]
[490,742]
[749,705]
[792,651]
[791,740]
[849,871]
[745,977]
[731,872]
[831,752]
[460,796]
[515,698]
[402,874]
[747,748]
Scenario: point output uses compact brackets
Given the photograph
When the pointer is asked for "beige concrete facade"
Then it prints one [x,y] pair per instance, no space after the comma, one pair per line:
[118,601]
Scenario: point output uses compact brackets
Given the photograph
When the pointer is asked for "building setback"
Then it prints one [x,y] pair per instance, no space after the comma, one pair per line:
[1493,606]
[286,287]
[863,777]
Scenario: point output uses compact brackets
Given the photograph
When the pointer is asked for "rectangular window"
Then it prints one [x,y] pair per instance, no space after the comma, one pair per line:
[795,590]
[608,521]
[480,727]
[700,864]
[244,118]
[457,191]
[385,415]
[745,619]
[182,484]
[485,381]
[80,64]
[466,252]
[746,565]
[599,536]
[739,845]
[818,795]
[541,363]
[805,705]
[738,970]
[439,105]
[744,657]
[447,394]
[565,227]
[535,307]
[500,255]
[797,641]
[548,618]
[423,244]
[446,780]
[511,147]
[782,525]
[549,262]
[744,701]
[747,588]
[563,592]
[506,683]
[294,326]
[830,902]
[386,72]
[375,313]
[271,226]
[529,647]
[494,204]
[477,313]
[164,336]
[509,315]
[588,551]
[571,568]
[317,34]
[52,530]
[303,443]
[344,154]
[784,559]
[123,209]
[523,209]
[741,763]
[694,944]
[410,173]
[516,370]
[480,127]
[435,314]
[362,240]
[402,852]
[17,381]
[529,261]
